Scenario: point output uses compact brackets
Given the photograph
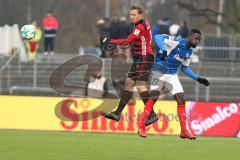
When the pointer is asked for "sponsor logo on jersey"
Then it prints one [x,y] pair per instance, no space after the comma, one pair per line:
[178,58]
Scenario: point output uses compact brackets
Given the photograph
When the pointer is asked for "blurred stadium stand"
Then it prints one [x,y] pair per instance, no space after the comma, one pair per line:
[218,60]
[222,48]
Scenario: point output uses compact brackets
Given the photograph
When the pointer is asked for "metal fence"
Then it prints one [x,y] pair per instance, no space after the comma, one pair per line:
[222,48]
[218,60]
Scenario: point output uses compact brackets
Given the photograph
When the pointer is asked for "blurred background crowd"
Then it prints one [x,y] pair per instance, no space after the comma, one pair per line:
[119,27]
[77,24]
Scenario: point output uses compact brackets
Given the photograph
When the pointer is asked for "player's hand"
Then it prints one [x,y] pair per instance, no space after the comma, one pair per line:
[106,44]
[104,40]
[203,81]
[164,55]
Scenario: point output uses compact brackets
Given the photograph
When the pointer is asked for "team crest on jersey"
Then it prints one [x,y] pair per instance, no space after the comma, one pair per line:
[171,38]
[136,32]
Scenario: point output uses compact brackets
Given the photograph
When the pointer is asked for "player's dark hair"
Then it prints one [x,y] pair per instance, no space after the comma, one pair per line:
[138,8]
[50,11]
[184,23]
[195,31]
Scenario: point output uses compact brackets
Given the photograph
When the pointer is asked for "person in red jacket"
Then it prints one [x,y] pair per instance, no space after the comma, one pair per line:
[50,25]
[140,69]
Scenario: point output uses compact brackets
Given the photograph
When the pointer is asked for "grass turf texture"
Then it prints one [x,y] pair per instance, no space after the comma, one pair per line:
[40,145]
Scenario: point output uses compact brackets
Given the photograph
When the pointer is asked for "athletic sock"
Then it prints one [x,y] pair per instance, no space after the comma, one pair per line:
[126,95]
[182,116]
[148,107]
[147,111]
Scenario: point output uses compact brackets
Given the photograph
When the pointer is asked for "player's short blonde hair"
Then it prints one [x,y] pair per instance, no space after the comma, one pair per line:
[138,8]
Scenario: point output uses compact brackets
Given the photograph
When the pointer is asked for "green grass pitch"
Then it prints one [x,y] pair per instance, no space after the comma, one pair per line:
[41,145]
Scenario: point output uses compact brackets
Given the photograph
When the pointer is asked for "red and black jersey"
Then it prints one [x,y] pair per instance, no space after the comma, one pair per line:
[140,38]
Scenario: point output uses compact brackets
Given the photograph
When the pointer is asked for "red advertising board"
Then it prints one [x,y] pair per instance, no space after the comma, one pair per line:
[214,119]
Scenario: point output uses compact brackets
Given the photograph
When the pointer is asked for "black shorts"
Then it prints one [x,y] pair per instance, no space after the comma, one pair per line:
[141,67]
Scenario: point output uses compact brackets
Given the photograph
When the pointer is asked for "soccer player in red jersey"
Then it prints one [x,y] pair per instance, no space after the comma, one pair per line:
[140,69]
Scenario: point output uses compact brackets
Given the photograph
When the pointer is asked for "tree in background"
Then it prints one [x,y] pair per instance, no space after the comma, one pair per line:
[209,11]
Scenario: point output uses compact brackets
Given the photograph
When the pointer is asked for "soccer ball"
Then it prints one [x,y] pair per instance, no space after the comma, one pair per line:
[28,32]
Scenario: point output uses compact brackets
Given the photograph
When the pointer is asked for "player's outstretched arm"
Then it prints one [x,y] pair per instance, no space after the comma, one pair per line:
[136,34]
[186,70]
[124,41]
[106,44]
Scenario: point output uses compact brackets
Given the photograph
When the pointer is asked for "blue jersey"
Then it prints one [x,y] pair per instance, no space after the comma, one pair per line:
[178,54]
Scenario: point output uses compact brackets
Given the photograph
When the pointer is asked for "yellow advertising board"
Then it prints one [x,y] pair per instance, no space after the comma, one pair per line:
[81,114]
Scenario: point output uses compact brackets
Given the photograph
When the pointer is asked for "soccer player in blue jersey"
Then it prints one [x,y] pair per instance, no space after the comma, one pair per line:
[174,53]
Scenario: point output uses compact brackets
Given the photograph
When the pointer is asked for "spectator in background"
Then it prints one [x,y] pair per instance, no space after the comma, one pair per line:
[164,26]
[183,30]
[155,28]
[97,82]
[33,44]
[103,27]
[113,29]
[50,25]
[117,28]
[124,28]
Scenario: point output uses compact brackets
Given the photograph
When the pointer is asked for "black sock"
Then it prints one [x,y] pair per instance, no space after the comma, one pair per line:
[145,96]
[125,97]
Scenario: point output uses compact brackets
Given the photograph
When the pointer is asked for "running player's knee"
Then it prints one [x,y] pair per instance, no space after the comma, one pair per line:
[141,86]
[154,95]
[129,84]
[181,101]
[179,98]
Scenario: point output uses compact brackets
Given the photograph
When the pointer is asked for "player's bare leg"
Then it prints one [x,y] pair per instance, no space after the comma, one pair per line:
[185,133]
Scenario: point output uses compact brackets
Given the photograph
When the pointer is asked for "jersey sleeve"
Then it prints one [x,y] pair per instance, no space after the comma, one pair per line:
[186,70]
[136,34]
[186,62]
